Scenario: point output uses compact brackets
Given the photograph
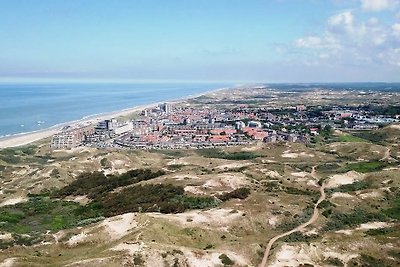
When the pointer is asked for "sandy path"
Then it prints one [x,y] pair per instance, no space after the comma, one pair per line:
[313,218]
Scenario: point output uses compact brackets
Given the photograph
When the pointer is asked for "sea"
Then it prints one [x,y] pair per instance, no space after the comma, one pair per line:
[29,107]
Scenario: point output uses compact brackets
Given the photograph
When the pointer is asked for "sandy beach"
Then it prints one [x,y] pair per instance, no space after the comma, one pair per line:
[27,138]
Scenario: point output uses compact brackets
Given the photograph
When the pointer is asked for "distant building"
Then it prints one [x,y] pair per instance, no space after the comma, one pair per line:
[123,128]
[70,137]
[300,108]
[239,125]
[167,108]
[254,124]
[292,138]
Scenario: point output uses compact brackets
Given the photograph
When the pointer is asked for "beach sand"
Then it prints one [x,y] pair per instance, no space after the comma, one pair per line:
[27,138]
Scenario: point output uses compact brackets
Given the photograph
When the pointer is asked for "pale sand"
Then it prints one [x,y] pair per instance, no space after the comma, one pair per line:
[232,180]
[373,225]
[13,201]
[6,236]
[286,154]
[395,126]
[341,195]
[76,239]
[211,259]
[300,174]
[344,178]
[215,217]
[8,262]
[90,262]
[131,249]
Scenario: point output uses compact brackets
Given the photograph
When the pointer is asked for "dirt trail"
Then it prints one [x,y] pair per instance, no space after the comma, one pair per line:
[313,218]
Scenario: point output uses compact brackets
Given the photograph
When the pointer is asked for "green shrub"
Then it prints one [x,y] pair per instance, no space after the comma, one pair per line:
[240,193]
[96,184]
[339,220]
[299,237]
[382,231]
[217,153]
[394,211]
[358,185]
[334,262]
[365,167]
[225,260]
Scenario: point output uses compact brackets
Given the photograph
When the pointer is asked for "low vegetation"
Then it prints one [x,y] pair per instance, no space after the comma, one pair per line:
[349,138]
[240,193]
[225,260]
[364,167]
[95,184]
[358,185]
[338,220]
[300,237]
[217,153]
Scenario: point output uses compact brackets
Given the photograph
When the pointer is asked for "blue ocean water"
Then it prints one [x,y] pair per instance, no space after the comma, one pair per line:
[35,106]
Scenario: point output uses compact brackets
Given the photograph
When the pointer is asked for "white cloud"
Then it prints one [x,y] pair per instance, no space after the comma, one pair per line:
[396,30]
[344,23]
[378,5]
[309,42]
[352,40]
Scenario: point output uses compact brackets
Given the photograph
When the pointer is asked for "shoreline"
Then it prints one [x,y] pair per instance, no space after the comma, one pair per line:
[22,139]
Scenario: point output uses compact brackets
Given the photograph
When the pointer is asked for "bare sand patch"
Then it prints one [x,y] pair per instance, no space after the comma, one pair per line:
[193,190]
[6,236]
[292,256]
[178,162]
[295,255]
[270,173]
[8,262]
[273,220]
[230,180]
[344,178]
[77,239]
[391,169]
[374,194]
[118,162]
[345,232]
[213,217]
[341,195]
[131,248]
[90,262]
[268,161]
[395,126]
[234,165]
[373,225]
[120,225]
[13,201]
[210,259]
[293,155]
[300,174]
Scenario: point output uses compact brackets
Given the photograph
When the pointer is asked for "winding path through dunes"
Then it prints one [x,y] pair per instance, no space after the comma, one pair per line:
[313,218]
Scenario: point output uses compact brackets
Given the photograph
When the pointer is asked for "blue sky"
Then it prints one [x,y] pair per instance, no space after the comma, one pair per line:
[203,40]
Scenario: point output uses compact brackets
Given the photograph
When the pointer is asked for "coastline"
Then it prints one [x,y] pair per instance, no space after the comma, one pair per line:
[22,139]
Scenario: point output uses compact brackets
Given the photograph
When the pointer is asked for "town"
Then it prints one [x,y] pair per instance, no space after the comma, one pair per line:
[175,127]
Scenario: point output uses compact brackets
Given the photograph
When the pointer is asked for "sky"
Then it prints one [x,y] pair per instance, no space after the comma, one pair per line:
[201,40]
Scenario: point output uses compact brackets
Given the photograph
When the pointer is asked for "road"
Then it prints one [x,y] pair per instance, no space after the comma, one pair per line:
[313,218]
